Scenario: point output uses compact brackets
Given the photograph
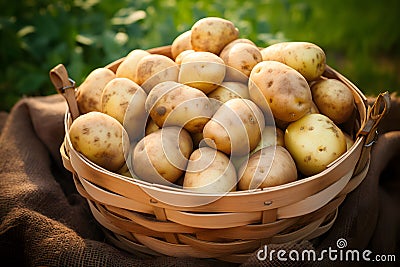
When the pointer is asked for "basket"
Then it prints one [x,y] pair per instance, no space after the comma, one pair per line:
[142,217]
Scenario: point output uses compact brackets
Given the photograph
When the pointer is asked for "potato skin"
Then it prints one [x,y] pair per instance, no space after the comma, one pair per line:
[124,100]
[161,157]
[333,99]
[101,138]
[89,92]
[269,166]
[230,90]
[314,142]
[127,68]
[210,171]
[181,43]
[235,128]
[280,89]
[307,58]
[171,103]
[211,34]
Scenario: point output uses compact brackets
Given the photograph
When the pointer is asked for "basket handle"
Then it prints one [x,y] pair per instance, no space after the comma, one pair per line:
[66,87]
[368,130]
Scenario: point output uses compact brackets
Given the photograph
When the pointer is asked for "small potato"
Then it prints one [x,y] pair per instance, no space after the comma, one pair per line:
[270,166]
[202,70]
[89,92]
[178,59]
[211,34]
[333,99]
[124,100]
[101,138]
[127,68]
[230,90]
[161,157]
[181,43]
[235,128]
[314,141]
[307,58]
[171,103]
[237,41]
[240,60]
[210,171]
[280,89]
[154,69]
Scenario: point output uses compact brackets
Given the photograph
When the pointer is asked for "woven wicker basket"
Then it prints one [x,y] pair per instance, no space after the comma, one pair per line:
[154,219]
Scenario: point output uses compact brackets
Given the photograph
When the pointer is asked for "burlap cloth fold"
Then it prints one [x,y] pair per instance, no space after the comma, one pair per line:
[45,222]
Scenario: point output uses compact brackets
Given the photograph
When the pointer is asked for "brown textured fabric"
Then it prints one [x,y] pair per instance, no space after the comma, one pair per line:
[45,222]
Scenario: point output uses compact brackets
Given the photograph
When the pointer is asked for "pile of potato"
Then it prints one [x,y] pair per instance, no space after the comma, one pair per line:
[220,115]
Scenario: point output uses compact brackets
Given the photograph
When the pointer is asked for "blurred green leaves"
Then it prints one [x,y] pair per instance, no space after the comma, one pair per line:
[360,37]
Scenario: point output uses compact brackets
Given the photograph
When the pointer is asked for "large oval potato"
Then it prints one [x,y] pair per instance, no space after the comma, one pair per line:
[127,68]
[240,60]
[202,70]
[89,92]
[181,43]
[280,89]
[154,69]
[101,138]
[307,58]
[172,103]
[209,171]
[124,100]
[314,142]
[235,128]
[269,166]
[211,34]
[333,99]
[161,157]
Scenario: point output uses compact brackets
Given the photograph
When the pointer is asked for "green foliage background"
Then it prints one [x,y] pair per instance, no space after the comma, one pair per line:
[361,38]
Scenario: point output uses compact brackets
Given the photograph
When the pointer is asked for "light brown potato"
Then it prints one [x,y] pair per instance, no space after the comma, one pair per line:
[161,157]
[307,58]
[101,138]
[270,166]
[124,100]
[171,103]
[226,48]
[202,70]
[314,141]
[235,128]
[210,171]
[89,92]
[240,60]
[230,90]
[181,43]
[333,99]
[127,68]
[280,89]
[211,34]
[151,126]
[154,69]
[179,58]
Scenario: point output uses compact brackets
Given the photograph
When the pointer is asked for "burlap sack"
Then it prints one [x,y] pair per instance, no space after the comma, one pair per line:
[45,222]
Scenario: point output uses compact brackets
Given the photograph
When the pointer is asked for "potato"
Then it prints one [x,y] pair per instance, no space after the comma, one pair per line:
[280,89]
[333,99]
[124,100]
[240,60]
[178,59]
[181,43]
[101,138]
[127,68]
[307,58]
[89,92]
[154,69]
[202,70]
[211,34]
[230,90]
[235,128]
[161,157]
[270,166]
[151,126]
[209,171]
[172,103]
[314,141]
[226,49]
